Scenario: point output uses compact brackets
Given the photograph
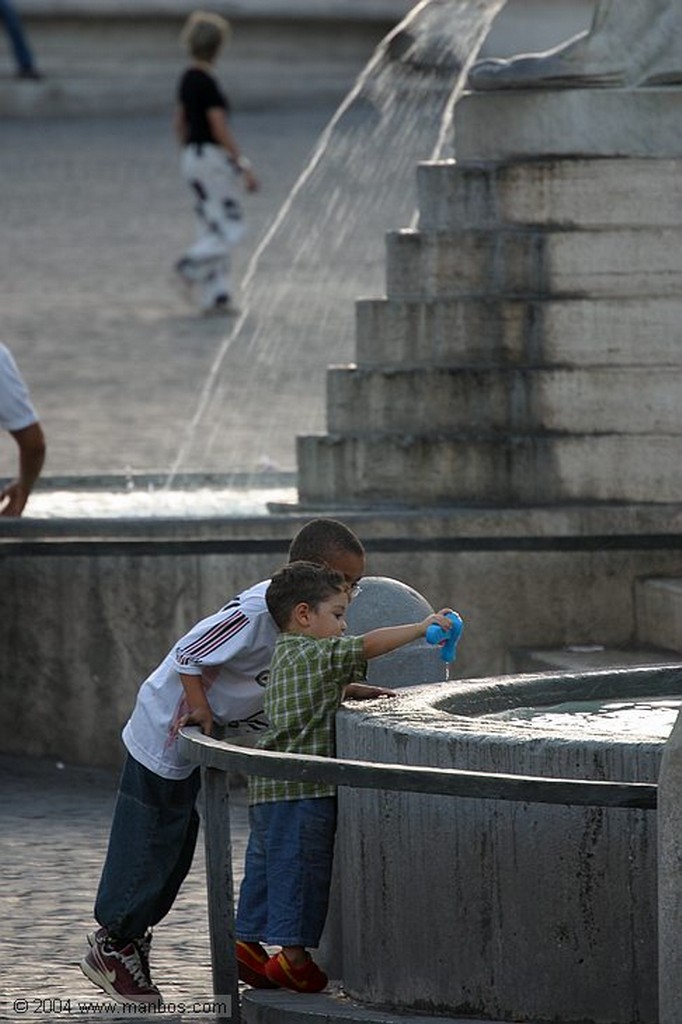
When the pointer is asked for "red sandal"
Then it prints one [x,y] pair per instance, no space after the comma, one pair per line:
[251,961]
[307,978]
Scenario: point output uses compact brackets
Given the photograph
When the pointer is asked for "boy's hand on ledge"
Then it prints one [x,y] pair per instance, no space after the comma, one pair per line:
[201,717]
[363,691]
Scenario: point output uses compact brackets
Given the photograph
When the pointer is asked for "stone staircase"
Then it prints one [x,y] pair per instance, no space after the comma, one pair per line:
[526,359]
[527,348]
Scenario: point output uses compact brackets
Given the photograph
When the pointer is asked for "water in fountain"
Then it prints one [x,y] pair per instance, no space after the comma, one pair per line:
[641,718]
[325,247]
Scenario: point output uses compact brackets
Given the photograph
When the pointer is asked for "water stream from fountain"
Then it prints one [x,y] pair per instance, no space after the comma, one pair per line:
[325,247]
[323,250]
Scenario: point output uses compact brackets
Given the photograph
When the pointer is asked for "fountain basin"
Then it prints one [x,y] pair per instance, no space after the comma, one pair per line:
[496,909]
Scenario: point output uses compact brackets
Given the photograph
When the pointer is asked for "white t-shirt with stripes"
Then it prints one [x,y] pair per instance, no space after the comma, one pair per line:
[231,651]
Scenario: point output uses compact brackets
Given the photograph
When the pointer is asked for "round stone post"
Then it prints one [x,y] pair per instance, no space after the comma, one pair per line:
[670,879]
[382,601]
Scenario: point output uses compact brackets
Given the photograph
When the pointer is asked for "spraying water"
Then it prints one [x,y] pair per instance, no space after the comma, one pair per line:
[325,248]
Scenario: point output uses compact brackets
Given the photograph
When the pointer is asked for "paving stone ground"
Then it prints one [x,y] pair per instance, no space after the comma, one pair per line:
[94,214]
[54,827]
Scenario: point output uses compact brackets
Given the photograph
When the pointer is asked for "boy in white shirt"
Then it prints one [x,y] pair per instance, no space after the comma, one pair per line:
[216,673]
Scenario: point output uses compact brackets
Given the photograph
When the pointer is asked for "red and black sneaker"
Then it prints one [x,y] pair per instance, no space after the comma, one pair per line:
[123,973]
[307,978]
[251,961]
[144,945]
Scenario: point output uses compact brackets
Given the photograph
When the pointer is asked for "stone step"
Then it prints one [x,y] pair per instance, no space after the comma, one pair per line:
[475,400]
[446,469]
[658,612]
[534,262]
[114,58]
[102,91]
[561,193]
[568,332]
[518,124]
[584,658]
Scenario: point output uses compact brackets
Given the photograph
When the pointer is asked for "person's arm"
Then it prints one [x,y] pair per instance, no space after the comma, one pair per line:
[199,709]
[31,442]
[389,638]
[365,691]
[223,136]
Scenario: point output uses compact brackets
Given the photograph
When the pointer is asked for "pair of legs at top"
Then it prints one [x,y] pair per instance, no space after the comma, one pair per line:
[151,846]
[23,56]
[219,223]
[284,896]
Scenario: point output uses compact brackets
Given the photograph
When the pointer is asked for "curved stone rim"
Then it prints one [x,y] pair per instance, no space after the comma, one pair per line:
[456,709]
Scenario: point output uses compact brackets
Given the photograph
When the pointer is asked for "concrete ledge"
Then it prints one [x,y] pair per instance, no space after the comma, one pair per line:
[585,658]
[290,10]
[290,1008]
[535,262]
[510,400]
[109,58]
[522,124]
[561,192]
[658,608]
[363,468]
[481,331]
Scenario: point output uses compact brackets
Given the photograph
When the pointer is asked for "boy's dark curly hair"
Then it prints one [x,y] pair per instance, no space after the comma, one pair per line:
[301,582]
[321,539]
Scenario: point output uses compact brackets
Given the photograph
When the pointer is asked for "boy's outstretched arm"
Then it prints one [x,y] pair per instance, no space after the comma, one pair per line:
[389,638]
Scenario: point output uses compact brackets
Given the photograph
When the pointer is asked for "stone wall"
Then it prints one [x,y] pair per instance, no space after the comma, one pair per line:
[87,611]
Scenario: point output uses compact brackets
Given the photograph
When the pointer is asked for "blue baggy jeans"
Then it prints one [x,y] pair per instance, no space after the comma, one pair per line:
[151,846]
[284,896]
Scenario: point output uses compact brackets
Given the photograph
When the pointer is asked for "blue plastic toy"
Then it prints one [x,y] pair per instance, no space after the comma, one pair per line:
[446,639]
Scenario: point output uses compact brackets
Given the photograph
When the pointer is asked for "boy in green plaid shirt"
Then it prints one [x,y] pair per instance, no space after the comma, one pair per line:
[284,896]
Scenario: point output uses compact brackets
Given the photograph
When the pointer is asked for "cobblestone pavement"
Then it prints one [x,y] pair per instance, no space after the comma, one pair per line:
[94,214]
[54,827]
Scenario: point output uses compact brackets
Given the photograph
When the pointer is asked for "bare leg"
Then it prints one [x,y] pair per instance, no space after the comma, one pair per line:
[630,43]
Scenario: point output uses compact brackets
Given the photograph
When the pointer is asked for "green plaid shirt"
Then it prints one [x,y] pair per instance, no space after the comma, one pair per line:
[304,691]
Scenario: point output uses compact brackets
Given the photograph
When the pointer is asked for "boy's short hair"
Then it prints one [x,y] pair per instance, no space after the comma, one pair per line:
[204,33]
[301,582]
[319,540]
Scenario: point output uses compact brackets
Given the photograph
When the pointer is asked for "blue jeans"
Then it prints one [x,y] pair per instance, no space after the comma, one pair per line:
[17,36]
[284,897]
[152,841]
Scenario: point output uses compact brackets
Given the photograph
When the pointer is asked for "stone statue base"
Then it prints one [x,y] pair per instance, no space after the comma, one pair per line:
[523,124]
[631,43]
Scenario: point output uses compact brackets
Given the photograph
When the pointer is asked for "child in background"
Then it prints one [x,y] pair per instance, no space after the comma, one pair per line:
[211,163]
[285,892]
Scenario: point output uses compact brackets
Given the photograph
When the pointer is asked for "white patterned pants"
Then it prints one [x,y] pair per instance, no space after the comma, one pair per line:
[220,222]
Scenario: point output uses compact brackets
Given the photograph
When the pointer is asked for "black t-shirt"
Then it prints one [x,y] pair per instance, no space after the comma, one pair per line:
[199,92]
